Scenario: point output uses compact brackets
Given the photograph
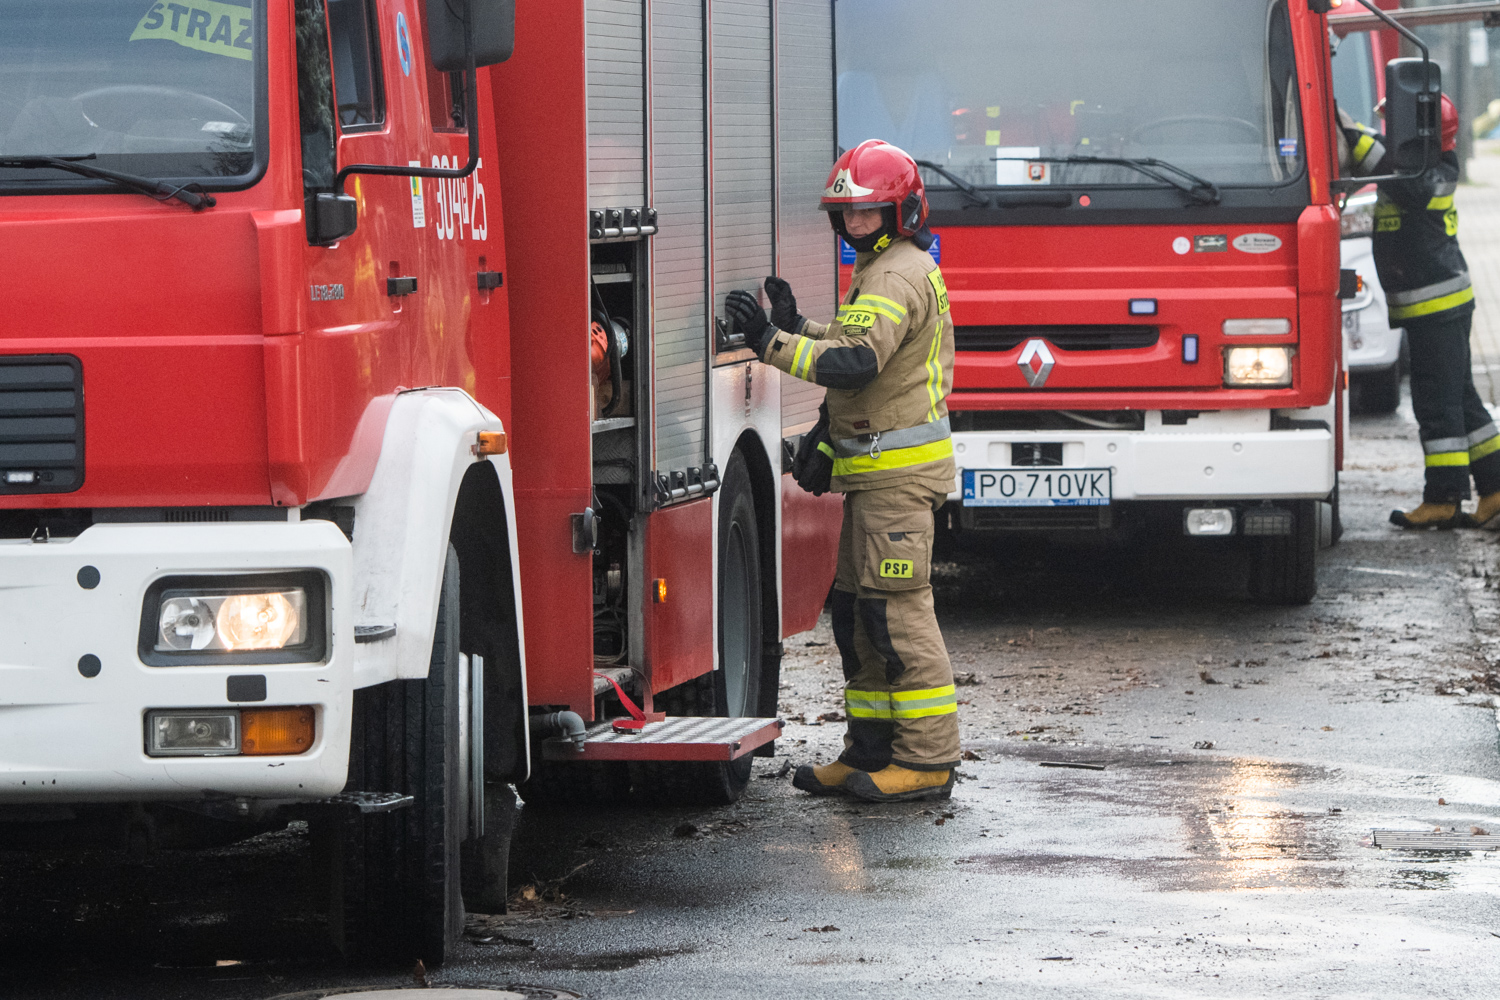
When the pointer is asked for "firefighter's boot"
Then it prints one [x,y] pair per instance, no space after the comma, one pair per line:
[895,783]
[1429,515]
[1487,511]
[823,780]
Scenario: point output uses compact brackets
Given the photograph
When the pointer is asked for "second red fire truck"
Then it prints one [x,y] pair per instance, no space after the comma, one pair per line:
[1135,219]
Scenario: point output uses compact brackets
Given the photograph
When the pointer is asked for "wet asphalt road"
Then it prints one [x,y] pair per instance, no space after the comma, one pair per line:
[1240,870]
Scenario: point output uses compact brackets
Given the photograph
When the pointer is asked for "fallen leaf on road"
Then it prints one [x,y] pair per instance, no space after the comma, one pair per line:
[966,679]
[1327,729]
[834,716]
[939,821]
[971,755]
[1207,678]
[1442,802]
[825,929]
[1478,831]
[1204,745]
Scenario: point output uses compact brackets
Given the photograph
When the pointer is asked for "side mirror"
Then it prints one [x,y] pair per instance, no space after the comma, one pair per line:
[333,217]
[494,32]
[1413,127]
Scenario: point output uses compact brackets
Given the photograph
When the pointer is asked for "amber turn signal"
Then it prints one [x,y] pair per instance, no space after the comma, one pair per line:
[282,731]
[659,591]
[490,443]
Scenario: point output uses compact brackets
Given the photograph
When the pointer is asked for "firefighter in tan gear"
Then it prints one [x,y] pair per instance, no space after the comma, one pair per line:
[884,442]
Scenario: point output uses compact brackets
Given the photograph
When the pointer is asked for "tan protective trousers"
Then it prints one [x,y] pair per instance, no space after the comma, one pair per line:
[898,693]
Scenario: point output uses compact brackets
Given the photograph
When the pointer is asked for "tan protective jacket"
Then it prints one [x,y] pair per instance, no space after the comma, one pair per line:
[887,362]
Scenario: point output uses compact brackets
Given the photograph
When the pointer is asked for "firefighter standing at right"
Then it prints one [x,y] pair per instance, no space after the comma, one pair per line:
[885,443]
[1428,291]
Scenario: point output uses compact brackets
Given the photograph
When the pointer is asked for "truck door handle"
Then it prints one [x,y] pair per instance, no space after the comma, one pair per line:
[490,279]
[400,286]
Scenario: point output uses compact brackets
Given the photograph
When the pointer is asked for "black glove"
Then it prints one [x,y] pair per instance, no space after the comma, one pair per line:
[784,315]
[813,465]
[749,318]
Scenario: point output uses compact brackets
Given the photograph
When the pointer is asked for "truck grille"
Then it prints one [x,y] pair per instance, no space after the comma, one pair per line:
[1065,338]
[41,424]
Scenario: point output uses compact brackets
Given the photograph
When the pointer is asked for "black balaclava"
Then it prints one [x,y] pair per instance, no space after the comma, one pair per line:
[883,238]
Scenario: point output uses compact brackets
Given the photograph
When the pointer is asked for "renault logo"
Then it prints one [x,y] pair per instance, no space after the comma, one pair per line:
[1036,351]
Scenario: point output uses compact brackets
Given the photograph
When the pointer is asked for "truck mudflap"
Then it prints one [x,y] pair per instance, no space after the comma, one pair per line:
[676,738]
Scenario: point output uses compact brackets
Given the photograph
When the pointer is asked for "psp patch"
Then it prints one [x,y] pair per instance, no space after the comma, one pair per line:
[939,288]
[896,569]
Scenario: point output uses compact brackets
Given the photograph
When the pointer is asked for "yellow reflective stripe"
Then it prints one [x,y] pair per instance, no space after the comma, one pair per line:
[1489,447]
[1440,204]
[934,370]
[867,704]
[1448,458]
[825,448]
[802,358]
[894,311]
[920,704]
[1362,147]
[1432,305]
[896,458]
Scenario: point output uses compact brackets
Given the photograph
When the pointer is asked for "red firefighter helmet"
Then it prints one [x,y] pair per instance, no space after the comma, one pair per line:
[876,174]
[1450,125]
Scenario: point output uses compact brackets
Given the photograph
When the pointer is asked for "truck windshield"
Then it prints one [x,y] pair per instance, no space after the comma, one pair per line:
[983,86]
[160,90]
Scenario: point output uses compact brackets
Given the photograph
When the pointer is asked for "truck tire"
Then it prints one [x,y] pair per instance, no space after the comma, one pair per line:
[1379,392]
[395,876]
[734,689]
[1284,568]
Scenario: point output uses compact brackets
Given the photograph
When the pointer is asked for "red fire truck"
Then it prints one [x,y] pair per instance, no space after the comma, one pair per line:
[379,449]
[1133,212]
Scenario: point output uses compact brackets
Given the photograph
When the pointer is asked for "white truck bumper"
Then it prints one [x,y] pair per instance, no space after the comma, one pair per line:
[67,737]
[1228,455]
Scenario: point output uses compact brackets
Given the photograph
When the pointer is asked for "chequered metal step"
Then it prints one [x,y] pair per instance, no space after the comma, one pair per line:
[676,738]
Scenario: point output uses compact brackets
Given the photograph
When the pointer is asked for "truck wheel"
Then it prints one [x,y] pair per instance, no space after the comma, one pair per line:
[734,689]
[1285,567]
[1379,391]
[396,882]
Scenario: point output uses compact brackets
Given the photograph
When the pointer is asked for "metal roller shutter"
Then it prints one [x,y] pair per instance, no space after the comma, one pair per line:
[678,266]
[743,219]
[805,248]
[616,103]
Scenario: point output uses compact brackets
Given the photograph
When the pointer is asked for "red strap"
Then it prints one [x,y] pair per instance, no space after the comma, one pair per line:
[638,718]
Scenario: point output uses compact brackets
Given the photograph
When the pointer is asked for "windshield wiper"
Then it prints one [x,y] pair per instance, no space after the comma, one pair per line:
[964,186]
[196,199]
[1201,190]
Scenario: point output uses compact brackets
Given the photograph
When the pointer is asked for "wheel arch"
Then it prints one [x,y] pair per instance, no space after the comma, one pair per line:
[483,535]
[765,489]
[404,520]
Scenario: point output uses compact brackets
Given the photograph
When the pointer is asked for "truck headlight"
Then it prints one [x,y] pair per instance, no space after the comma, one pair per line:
[266,618]
[223,620]
[1258,366]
